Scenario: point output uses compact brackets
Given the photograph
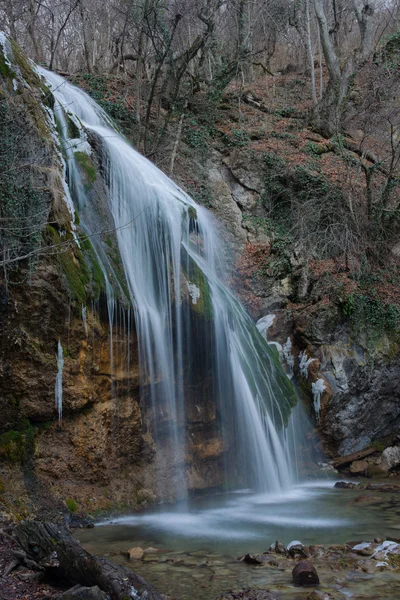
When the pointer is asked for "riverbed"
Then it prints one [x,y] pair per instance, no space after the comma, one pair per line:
[194,545]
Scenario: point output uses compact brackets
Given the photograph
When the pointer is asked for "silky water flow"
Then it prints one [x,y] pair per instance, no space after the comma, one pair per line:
[193,335]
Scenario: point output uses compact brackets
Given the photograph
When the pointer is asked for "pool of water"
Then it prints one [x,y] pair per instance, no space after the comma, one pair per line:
[198,542]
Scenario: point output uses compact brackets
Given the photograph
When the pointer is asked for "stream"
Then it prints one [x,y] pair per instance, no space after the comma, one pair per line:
[196,544]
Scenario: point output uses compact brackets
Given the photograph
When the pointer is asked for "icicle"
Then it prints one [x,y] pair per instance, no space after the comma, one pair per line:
[288,356]
[304,363]
[84,319]
[318,387]
[58,387]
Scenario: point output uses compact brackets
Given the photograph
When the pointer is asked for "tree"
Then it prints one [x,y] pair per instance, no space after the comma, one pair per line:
[328,114]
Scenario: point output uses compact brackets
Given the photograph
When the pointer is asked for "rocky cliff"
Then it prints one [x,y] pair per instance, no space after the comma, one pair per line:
[100,453]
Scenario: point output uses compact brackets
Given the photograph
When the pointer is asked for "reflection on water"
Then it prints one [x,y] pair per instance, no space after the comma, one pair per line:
[198,544]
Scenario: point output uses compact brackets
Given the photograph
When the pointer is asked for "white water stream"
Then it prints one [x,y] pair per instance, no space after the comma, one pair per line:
[193,335]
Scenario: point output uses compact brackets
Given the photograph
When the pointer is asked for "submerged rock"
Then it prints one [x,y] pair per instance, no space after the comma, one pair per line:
[305,574]
[136,553]
[249,595]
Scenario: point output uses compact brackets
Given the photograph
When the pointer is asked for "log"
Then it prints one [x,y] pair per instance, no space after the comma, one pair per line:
[52,547]
[349,458]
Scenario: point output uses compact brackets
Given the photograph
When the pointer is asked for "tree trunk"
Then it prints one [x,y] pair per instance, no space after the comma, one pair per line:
[53,548]
[310,54]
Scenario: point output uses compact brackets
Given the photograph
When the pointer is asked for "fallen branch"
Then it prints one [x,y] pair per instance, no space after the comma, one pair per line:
[53,548]
[349,458]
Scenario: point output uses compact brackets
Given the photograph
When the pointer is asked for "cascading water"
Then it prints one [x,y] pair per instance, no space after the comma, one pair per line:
[193,335]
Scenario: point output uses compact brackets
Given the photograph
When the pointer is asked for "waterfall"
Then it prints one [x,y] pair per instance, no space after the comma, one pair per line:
[195,341]
[59,378]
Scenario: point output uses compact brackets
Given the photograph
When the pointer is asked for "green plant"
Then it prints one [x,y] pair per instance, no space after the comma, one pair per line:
[71,505]
[285,112]
[367,310]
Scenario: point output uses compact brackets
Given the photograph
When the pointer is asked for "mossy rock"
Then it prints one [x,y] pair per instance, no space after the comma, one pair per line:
[87,169]
[79,266]
[15,446]
[203,303]
[6,71]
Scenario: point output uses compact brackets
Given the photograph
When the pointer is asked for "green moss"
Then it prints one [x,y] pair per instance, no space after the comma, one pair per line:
[194,275]
[76,272]
[15,446]
[71,505]
[73,130]
[5,70]
[192,212]
[87,169]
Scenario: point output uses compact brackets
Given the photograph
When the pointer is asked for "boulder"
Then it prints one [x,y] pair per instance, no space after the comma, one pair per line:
[305,574]
[279,547]
[251,559]
[136,553]
[296,548]
[364,549]
[83,593]
[359,467]
[390,458]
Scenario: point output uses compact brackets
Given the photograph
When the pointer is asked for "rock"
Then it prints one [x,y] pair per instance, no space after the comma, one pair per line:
[251,559]
[279,547]
[364,549]
[359,467]
[83,593]
[305,574]
[268,559]
[317,595]
[345,485]
[390,458]
[248,595]
[378,540]
[296,548]
[367,566]
[136,553]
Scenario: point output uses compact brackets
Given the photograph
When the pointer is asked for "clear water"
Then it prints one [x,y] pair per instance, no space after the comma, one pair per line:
[200,545]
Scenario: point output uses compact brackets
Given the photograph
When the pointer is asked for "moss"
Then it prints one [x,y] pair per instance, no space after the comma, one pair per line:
[73,130]
[71,505]
[2,486]
[87,168]
[5,70]
[15,446]
[97,282]
[194,275]
[76,272]
[192,212]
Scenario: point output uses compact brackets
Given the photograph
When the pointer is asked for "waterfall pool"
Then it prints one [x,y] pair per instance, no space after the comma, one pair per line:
[198,542]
